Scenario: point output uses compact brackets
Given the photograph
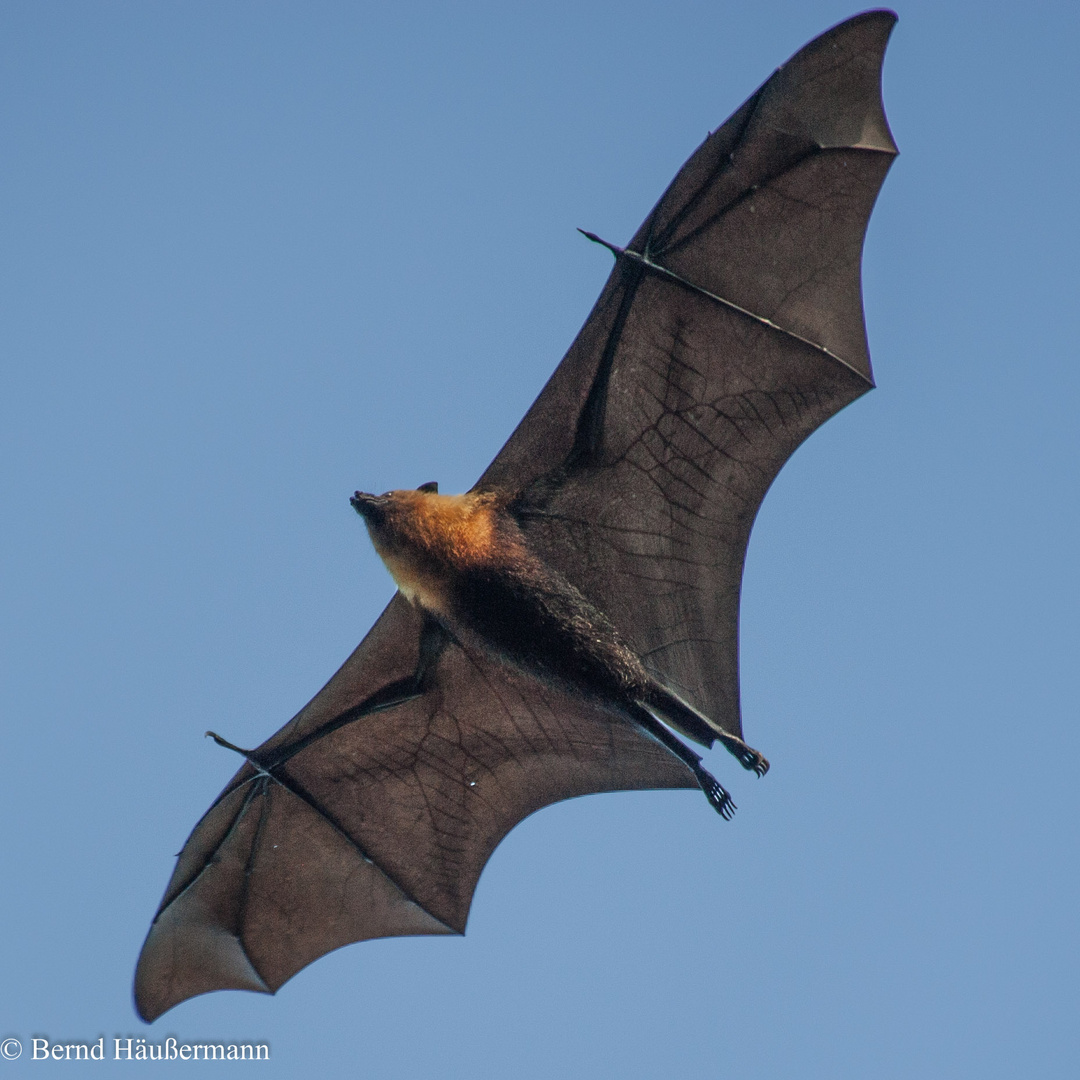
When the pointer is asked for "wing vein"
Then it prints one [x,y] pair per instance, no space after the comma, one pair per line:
[293,786]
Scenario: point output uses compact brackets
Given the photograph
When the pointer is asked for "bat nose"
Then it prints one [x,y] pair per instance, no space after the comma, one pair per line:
[362,502]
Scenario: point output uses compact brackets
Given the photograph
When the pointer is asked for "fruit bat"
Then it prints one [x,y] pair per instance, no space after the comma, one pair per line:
[558,627]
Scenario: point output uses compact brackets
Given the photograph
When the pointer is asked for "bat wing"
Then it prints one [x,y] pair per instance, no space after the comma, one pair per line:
[379,825]
[730,328]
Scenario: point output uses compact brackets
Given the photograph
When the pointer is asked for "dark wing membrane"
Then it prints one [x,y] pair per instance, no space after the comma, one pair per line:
[730,329]
[382,826]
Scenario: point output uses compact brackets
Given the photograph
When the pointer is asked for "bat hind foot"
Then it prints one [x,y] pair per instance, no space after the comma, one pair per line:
[754,761]
[750,759]
[716,794]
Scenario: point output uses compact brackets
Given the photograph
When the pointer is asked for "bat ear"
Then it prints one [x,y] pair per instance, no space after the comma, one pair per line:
[430,488]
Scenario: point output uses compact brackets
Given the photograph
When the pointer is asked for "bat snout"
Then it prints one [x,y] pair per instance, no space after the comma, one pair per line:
[366,505]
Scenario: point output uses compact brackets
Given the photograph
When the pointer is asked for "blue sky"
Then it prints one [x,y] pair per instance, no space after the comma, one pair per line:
[258,255]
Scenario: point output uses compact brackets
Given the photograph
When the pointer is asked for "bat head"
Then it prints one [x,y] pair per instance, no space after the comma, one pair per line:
[427,539]
[423,526]
[388,516]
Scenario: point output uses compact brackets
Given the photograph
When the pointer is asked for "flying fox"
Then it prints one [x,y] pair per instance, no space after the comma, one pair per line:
[602,552]
[465,563]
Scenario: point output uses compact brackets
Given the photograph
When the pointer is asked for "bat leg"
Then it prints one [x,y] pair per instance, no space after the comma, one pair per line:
[718,796]
[682,716]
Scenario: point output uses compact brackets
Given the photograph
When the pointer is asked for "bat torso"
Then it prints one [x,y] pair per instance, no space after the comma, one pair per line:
[463,559]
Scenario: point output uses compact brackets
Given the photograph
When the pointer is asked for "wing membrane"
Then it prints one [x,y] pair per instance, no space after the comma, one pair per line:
[731,327]
[729,330]
[383,826]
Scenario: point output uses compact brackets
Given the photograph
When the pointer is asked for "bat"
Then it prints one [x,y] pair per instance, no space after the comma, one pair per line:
[560,626]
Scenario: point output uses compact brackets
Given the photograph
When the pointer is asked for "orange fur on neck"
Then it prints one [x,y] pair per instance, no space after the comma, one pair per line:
[427,538]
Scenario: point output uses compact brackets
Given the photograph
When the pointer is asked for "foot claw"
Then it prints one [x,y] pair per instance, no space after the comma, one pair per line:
[717,796]
[750,759]
[758,762]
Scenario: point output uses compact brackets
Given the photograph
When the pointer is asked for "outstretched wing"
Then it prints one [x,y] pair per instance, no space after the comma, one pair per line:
[379,826]
[730,328]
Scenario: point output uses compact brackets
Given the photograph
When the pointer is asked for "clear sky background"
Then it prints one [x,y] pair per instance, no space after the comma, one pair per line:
[256,255]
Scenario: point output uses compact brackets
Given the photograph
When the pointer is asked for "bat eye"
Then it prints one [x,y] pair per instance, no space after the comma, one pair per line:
[430,488]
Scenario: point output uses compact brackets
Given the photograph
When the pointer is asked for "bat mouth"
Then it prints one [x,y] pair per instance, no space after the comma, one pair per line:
[369,507]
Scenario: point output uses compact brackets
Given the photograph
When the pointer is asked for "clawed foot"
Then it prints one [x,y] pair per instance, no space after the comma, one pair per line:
[720,799]
[749,758]
[754,760]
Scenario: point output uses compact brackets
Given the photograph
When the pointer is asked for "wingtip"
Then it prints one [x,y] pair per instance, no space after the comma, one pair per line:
[187,954]
[854,113]
[885,16]
[150,1011]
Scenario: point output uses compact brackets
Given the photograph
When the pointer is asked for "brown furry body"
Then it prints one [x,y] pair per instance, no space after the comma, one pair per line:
[464,559]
